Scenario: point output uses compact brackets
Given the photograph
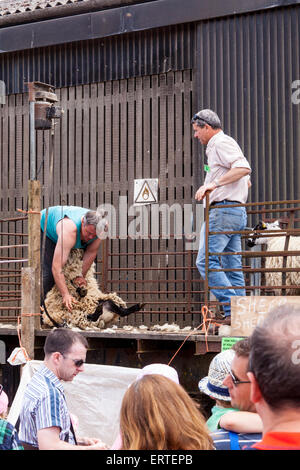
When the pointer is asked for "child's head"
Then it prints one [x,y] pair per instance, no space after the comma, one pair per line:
[212,385]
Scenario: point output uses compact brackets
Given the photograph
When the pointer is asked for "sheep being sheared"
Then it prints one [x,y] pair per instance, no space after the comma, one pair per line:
[93,307]
[277,243]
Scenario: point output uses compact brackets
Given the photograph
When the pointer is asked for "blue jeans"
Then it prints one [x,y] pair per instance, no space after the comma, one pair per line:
[227,219]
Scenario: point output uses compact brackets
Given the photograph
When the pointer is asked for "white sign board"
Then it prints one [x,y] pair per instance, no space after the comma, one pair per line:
[247,312]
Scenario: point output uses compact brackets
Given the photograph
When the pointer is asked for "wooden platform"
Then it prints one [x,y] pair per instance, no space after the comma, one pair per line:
[212,341]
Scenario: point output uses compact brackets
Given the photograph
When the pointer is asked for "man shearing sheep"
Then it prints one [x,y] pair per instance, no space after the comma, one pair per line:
[67,228]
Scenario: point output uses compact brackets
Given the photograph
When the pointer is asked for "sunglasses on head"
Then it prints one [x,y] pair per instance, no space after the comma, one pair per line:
[197,118]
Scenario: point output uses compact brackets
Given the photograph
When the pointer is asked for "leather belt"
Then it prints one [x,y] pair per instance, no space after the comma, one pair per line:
[224,200]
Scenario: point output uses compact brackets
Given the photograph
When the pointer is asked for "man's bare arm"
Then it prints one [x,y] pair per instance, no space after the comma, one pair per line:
[66,231]
[90,255]
[48,439]
[234,174]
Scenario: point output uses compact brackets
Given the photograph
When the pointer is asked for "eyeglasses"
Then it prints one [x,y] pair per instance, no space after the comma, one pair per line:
[237,381]
[77,362]
[198,118]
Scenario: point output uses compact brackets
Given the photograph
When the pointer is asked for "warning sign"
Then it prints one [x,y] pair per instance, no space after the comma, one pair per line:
[146,191]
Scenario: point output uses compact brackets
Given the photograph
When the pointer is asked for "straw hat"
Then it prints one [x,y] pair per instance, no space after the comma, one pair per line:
[219,368]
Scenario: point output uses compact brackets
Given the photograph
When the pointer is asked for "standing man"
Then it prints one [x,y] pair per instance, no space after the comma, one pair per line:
[45,422]
[68,227]
[227,181]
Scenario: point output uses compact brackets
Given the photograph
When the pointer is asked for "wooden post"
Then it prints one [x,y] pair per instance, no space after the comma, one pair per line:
[27,307]
[34,235]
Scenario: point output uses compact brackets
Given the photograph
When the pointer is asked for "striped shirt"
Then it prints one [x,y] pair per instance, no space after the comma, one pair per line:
[222,440]
[44,406]
[8,437]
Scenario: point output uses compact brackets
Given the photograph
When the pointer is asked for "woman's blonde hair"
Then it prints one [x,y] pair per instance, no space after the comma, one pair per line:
[159,414]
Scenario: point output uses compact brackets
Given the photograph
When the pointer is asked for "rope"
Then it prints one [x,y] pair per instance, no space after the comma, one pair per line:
[28,212]
[205,327]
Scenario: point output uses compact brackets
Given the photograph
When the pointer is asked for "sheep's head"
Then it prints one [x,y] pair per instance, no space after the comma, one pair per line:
[256,239]
[107,310]
[80,290]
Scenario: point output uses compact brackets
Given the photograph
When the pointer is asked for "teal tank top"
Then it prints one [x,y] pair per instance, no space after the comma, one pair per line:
[57,213]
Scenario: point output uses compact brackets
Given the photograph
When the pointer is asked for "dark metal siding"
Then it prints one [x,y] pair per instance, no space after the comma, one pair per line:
[245,69]
[120,57]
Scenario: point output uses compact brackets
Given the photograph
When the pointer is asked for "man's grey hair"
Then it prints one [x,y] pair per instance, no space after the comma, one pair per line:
[207,116]
[91,218]
[274,357]
[97,219]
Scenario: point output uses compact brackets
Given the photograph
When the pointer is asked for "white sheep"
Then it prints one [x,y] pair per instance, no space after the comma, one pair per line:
[277,243]
[95,309]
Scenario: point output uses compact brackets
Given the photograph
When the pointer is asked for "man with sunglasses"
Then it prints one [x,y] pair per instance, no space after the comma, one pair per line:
[227,181]
[243,427]
[45,421]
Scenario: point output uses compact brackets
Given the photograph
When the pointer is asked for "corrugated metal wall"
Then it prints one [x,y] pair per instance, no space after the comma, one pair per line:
[126,56]
[246,66]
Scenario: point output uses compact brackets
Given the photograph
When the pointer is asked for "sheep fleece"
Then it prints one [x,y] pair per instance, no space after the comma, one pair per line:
[86,305]
[292,278]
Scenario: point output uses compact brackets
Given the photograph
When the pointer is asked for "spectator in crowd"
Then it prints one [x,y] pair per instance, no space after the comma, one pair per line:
[213,386]
[275,378]
[45,421]
[243,427]
[9,439]
[158,414]
[156,369]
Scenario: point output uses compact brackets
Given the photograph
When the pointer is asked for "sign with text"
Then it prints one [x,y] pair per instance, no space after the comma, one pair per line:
[247,312]
[227,343]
